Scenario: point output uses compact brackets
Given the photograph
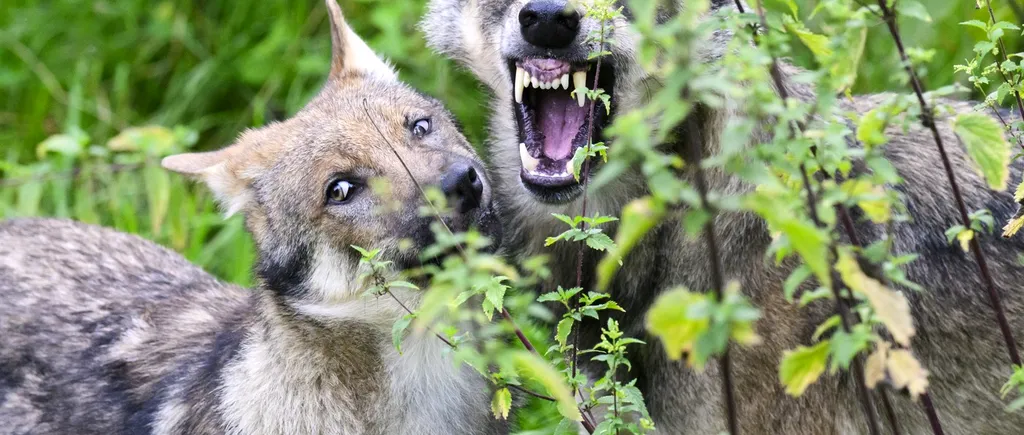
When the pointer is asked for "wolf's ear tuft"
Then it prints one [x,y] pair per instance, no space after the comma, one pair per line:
[212,167]
[349,54]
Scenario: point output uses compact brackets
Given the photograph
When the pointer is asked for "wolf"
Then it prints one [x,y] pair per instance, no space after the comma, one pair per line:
[106,333]
[531,53]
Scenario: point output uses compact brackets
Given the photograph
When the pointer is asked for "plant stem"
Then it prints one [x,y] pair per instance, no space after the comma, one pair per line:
[928,120]
[843,311]
[718,284]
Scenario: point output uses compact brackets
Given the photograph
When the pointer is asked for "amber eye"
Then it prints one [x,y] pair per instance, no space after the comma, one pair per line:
[421,128]
[340,191]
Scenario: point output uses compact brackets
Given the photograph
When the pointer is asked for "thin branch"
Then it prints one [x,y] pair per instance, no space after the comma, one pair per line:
[928,120]
[725,363]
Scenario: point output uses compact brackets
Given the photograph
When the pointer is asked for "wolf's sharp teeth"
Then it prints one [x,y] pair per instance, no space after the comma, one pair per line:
[529,163]
[568,167]
[526,78]
[545,85]
[519,85]
[579,80]
[533,82]
[565,80]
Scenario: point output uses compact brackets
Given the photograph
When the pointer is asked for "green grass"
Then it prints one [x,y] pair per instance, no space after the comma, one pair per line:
[74,75]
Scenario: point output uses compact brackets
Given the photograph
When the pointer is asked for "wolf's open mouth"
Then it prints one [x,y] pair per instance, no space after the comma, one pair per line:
[553,123]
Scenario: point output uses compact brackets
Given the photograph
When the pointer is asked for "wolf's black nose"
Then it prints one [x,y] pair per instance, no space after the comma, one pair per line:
[549,23]
[463,187]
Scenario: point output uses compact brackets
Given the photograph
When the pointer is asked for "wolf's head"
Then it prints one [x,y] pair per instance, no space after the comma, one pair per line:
[304,184]
[533,54]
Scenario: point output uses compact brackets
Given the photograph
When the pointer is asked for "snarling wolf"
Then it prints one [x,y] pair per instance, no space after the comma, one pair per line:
[531,53]
[106,333]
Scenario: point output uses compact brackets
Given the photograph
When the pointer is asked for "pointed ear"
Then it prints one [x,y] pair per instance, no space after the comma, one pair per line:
[349,54]
[213,168]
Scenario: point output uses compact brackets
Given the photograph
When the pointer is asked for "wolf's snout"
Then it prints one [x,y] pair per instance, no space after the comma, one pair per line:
[463,187]
[549,23]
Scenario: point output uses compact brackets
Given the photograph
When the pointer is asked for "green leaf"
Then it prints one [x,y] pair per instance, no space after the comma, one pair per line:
[812,245]
[600,242]
[495,294]
[670,320]
[986,144]
[501,404]
[398,330]
[797,277]
[403,284]
[541,371]
[638,218]
[913,9]
[802,367]
[563,330]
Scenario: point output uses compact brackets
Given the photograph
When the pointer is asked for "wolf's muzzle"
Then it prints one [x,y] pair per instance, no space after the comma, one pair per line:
[549,23]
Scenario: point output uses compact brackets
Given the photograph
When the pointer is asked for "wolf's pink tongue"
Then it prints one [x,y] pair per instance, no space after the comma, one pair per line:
[560,120]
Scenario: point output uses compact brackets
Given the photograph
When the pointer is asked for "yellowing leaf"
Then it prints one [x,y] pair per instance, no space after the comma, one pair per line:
[871,199]
[871,128]
[906,372]
[874,368]
[986,144]
[802,367]
[501,404]
[818,44]
[1018,195]
[1015,223]
[668,321]
[965,237]
[540,370]
[891,307]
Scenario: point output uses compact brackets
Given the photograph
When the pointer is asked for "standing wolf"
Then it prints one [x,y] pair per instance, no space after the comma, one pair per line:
[106,333]
[529,51]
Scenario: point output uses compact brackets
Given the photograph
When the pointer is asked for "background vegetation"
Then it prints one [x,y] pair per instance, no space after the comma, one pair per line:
[93,93]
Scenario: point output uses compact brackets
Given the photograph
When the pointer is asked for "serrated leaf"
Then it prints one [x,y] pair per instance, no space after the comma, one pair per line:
[600,242]
[890,306]
[906,372]
[495,294]
[501,404]
[986,144]
[802,367]
[871,128]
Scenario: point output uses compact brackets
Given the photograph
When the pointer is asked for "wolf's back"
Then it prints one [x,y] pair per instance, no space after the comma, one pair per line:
[80,307]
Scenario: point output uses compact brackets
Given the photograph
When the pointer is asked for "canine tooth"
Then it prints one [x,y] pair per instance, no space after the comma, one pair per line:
[519,85]
[529,163]
[533,81]
[579,80]
[565,80]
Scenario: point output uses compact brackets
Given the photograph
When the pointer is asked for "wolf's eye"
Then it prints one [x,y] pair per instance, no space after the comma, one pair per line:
[340,191]
[421,127]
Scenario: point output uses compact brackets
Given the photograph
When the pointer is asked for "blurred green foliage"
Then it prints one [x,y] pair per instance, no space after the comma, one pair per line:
[84,83]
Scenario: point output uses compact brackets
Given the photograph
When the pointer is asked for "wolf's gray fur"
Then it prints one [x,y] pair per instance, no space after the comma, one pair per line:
[106,333]
[958,340]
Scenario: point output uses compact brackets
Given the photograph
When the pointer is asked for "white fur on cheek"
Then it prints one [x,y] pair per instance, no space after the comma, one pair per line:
[332,278]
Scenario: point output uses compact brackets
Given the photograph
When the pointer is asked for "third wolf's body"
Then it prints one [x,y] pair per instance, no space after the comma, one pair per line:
[958,340]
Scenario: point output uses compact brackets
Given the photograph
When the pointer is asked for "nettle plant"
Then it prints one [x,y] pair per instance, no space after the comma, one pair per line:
[798,153]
